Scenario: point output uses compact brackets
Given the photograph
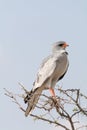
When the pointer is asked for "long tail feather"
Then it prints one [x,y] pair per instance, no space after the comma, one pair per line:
[32,99]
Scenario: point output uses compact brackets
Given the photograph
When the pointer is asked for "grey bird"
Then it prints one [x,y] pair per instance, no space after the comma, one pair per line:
[52,69]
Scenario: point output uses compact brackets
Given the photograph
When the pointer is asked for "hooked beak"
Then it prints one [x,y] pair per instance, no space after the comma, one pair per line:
[65,45]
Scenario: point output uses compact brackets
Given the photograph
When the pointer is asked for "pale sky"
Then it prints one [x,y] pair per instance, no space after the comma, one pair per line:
[27,31]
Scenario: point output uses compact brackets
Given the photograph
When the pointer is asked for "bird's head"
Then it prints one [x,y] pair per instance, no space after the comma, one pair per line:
[61,45]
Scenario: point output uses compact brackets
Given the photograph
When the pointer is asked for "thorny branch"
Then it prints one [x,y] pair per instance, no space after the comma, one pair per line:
[55,109]
[75,100]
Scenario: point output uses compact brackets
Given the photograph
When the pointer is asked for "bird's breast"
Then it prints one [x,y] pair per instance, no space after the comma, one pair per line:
[61,66]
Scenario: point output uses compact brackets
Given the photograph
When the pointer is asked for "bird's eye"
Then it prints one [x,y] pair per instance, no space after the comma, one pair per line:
[61,44]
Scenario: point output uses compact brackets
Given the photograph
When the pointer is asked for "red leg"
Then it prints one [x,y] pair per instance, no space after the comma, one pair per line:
[52,92]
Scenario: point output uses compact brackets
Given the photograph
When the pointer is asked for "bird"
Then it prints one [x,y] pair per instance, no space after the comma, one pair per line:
[52,69]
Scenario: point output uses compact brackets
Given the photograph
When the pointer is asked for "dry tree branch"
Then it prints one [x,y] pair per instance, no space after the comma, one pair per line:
[12,96]
[49,121]
[75,100]
[81,127]
[68,98]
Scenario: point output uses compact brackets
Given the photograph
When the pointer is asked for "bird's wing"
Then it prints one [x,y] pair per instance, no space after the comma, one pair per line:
[46,70]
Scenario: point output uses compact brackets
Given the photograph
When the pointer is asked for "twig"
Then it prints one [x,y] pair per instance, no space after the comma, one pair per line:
[49,121]
[11,95]
[70,97]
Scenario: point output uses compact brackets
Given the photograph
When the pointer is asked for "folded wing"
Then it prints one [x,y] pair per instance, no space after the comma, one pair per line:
[46,70]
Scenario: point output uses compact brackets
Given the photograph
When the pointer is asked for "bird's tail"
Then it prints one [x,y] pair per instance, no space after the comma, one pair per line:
[32,99]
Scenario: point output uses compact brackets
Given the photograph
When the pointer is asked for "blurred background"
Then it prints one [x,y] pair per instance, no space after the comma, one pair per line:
[27,31]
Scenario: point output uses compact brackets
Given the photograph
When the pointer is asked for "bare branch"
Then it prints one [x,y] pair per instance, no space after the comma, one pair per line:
[68,98]
[49,121]
[12,96]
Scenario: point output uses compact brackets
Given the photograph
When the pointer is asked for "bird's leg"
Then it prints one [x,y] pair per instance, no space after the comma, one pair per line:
[56,101]
[52,92]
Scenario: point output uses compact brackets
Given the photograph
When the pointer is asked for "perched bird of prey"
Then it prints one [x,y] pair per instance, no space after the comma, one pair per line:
[52,69]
